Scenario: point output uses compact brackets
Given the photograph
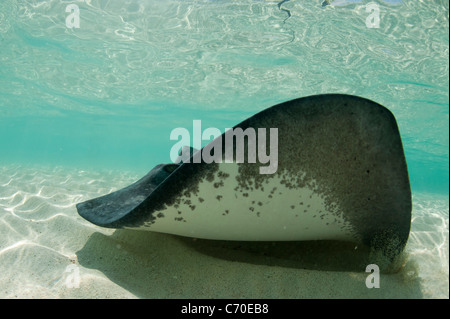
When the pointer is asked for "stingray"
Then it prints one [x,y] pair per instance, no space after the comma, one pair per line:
[341,175]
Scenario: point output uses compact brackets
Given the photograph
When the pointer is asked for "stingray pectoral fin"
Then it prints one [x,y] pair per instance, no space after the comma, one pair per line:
[107,210]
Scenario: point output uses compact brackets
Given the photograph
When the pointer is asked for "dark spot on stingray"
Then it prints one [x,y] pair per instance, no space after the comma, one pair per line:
[201,200]
[210,177]
[306,211]
[301,203]
[179,219]
[258,213]
[187,193]
[160,215]
[227,211]
[245,194]
[252,209]
[219,197]
[259,203]
[292,206]
[176,206]
[253,201]
[179,212]
[270,196]
[368,171]
[187,201]
[308,206]
[221,174]
[192,207]
[217,184]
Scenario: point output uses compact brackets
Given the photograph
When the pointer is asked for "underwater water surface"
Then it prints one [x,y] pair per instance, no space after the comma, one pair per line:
[86,109]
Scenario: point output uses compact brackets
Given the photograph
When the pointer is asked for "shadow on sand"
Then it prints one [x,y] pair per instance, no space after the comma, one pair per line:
[155,265]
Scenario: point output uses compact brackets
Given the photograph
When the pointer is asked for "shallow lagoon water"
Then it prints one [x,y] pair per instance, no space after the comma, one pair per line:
[85,111]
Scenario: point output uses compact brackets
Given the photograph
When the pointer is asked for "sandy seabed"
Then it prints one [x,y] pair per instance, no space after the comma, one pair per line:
[48,251]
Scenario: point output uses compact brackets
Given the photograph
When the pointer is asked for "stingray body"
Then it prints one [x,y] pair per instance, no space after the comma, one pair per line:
[341,175]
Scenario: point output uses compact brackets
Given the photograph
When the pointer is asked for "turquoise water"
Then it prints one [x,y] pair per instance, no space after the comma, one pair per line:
[85,111]
[108,94]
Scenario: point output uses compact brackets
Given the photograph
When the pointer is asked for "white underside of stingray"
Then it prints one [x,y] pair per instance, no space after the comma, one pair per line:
[271,213]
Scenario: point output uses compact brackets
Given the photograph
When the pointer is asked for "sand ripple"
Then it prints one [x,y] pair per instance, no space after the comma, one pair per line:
[428,243]
[40,228]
